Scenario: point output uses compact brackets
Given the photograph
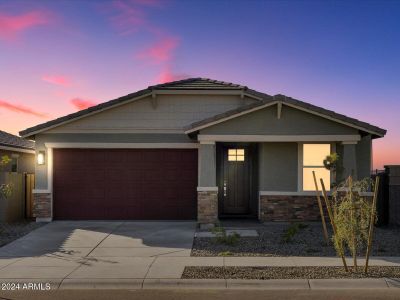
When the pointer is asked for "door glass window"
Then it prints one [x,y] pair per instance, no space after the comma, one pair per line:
[235,154]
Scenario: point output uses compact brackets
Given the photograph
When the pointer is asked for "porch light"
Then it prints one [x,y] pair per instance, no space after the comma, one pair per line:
[41,158]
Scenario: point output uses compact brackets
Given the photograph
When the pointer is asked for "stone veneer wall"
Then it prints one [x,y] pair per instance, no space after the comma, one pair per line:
[289,208]
[42,205]
[207,207]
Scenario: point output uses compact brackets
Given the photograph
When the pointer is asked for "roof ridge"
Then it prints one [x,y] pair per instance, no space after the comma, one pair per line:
[171,84]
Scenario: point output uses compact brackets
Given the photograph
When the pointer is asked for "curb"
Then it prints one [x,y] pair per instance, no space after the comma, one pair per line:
[216,284]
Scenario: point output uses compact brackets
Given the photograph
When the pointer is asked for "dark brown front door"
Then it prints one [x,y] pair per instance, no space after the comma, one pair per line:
[236,180]
[125,184]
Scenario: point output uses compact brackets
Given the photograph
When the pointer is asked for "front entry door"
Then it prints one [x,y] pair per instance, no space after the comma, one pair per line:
[236,180]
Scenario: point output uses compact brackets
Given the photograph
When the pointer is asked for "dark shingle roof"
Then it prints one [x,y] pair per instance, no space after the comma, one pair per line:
[287,100]
[205,84]
[10,140]
[198,84]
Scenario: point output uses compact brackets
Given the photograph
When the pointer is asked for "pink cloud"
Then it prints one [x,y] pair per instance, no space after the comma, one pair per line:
[151,3]
[21,109]
[166,76]
[57,80]
[125,17]
[80,103]
[12,25]
[161,51]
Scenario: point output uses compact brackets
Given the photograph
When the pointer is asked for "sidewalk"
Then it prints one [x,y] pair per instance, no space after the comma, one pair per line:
[66,272]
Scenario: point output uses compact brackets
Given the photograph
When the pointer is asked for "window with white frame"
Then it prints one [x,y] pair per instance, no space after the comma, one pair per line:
[313,157]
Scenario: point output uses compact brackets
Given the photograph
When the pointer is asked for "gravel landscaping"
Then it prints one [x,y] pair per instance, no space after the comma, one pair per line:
[12,231]
[286,273]
[308,241]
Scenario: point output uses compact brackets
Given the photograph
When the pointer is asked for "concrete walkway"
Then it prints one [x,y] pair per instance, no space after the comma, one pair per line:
[140,255]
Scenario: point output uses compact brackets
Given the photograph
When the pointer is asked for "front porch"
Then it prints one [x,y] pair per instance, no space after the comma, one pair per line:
[266,180]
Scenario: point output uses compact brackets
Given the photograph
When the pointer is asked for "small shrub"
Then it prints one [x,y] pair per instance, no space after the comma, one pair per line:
[222,238]
[292,230]
[225,253]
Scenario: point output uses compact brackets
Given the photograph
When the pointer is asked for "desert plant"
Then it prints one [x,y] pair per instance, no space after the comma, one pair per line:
[292,230]
[5,189]
[222,237]
[351,213]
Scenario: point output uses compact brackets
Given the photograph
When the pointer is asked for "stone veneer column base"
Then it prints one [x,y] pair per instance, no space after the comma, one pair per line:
[42,207]
[207,205]
[289,208]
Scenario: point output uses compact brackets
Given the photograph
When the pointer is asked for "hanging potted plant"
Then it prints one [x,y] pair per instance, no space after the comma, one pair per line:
[331,164]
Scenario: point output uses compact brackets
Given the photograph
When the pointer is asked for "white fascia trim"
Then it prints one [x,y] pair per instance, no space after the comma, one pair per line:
[40,191]
[120,130]
[207,189]
[16,149]
[124,145]
[332,118]
[278,138]
[86,115]
[350,143]
[207,142]
[231,117]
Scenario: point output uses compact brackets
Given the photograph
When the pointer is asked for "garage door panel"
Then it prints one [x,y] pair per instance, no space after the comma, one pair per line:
[135,184]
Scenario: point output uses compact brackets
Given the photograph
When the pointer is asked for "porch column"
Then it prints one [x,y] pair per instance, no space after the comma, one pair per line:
[349,160]
[207,190]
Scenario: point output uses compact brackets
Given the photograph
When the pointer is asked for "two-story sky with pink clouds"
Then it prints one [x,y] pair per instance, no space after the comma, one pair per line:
[57,57]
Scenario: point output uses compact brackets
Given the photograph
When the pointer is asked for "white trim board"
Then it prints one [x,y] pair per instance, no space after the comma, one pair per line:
[278,138]
[124,145]
[16,149]
[119,130]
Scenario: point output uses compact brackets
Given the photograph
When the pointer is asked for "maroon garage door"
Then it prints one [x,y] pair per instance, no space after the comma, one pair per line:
[125,184]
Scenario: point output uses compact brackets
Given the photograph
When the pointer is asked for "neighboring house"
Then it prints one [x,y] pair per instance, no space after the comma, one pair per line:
[194,149]
[20,151]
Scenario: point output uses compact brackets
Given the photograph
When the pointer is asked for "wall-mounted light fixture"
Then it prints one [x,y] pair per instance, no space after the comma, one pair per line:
[41,158]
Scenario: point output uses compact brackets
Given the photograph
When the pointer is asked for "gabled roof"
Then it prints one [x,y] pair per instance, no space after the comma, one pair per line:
[271,100]
[186,84]
[204,84]
[13,141]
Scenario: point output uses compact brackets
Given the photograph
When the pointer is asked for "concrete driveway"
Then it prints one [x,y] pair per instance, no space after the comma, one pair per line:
[90,252]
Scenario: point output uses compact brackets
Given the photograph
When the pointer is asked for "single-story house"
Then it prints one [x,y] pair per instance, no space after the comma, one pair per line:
[194,149]
[21,153]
